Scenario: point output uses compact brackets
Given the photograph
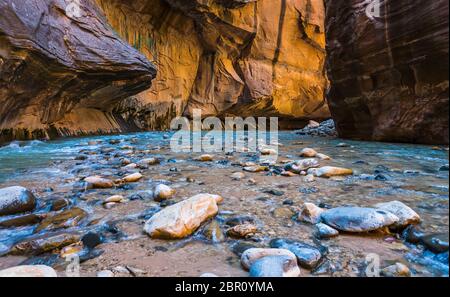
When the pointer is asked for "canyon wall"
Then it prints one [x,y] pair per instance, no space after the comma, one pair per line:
[62,71]
[234,57]
[389,72]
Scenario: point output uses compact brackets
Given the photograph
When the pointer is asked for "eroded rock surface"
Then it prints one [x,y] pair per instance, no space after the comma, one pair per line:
[62,74]
[257,58]
[389,75]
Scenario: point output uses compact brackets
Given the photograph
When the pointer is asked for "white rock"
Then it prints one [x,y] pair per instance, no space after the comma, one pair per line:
[406,215]
[253,254]
[29,271]
[308,153]
[182,219]
[310,213]
[163,192]
[105,273]
[16,200]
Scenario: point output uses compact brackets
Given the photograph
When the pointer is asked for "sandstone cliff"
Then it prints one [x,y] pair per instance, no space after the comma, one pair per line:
[62,74]
[389,73]
[234,57]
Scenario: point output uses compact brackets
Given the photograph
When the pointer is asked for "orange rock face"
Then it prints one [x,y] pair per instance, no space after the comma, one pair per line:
[62,73]
[252,57]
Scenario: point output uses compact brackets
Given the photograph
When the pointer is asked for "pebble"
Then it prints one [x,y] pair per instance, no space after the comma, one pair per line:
[283,213]
[406,215]
[132,177]
[99,182]
[358,219]
[323,157]
[310,213]
[237,176]
[330,171]
[242,231]
[308,153]
[29,271]
[163,192]
[274,266]
[255,169]
[105,273]
[307,255]
[115,199]
[251,255]
[325,231]
[396,270]
[205,158]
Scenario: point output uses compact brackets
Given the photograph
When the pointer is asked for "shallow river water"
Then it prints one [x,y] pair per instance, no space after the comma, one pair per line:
[413,174]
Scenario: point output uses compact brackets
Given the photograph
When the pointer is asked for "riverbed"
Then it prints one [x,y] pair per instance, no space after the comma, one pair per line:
[416,175]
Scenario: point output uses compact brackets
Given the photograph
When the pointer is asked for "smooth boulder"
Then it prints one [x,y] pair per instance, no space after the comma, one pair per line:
[275,266]
[16,200]
[182,219]
[29,271]
[358,219]
[406,215]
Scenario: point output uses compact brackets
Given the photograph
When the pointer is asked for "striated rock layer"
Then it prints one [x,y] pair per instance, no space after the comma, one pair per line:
[62,73]
[389,72]
[233,57]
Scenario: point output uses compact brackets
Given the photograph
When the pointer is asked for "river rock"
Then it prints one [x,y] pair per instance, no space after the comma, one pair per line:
[163,192]
[283,213]
[406,215]
[307,255]
[437,243]
[66,219]
[59,204]
[242,231]
[330,171]
[267,152]
[182,219]
[308,153]
[301,165]
[105,273]
[325,231]
[25,220]
[275,266]
[44,243]
[114,199]
[323,157]
[205,158]
[310,213]
[237,176]
[16,200]
[29,271]
[147,162]
[132,178]
[98,182]
[255,169]
[251,255]
[358,219]
[396,270]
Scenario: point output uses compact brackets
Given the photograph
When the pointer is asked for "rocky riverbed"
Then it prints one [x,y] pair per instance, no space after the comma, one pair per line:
[127,205]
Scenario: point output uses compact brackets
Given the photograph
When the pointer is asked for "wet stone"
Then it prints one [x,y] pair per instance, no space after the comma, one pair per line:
[358,219]
[60,204]
[25,220]
[65,219]
[45,243]
[15,200]
[307,255]
[242,231]
[324,231]
[437,243]
[274,266]
[396,270]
